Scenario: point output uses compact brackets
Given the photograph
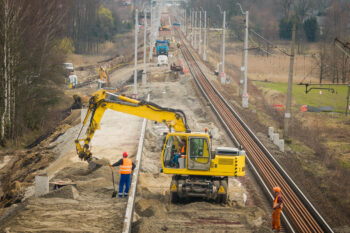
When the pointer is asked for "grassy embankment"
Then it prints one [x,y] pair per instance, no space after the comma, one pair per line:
[313,98]
[335,124]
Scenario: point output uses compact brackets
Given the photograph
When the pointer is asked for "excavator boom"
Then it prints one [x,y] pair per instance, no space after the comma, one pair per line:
[101,100]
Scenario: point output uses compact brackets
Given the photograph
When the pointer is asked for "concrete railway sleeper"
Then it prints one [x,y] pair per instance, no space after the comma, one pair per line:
[299,210]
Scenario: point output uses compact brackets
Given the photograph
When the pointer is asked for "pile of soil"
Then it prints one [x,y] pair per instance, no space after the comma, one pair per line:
[21,167]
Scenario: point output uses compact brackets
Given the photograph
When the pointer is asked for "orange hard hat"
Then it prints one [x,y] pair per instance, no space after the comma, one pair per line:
[277,189]
[125,154]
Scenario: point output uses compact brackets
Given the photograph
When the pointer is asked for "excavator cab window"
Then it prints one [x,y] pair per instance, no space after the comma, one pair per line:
[172,153]
[199,156]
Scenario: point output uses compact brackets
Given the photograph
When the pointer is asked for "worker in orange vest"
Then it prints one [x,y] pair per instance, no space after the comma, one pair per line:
[183,148]
[126,167]
[277,208]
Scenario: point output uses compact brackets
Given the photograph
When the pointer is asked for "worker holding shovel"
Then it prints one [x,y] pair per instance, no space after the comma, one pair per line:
[125,170]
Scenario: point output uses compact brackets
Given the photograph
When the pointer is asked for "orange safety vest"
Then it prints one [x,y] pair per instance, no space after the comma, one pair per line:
[126,168]
[183,150]
[276,200]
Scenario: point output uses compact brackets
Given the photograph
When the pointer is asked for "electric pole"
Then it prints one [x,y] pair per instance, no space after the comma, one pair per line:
[245,89]
[241,80]
[205,37]
[144,74]
[287,114]
[135,65]
[195,25]
[151,35]
[200,32]
[223,43]
[185,24]
[347,102]
[192,23]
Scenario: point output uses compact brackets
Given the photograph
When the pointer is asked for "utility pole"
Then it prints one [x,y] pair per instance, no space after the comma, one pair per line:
[245,92]
[192,22]
[135,65]
[287,114]
[205,37]
[223,44]
[347,102]
[151,35]
[200,32]
[144,73]
[195,25]
[241,80]
[185,24]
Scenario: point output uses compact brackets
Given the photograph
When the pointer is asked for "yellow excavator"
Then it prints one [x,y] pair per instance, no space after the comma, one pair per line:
[197,170]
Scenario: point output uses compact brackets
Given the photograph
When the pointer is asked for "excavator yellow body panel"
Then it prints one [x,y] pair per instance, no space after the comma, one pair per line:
[198,159]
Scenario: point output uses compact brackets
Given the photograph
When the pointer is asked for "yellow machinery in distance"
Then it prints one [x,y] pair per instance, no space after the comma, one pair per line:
[196,169]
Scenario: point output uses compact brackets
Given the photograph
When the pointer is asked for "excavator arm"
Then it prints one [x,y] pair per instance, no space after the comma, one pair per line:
[102,100]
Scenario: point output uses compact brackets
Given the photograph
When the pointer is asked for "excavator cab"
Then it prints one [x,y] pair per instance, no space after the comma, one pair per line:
[186,151]
[196,170]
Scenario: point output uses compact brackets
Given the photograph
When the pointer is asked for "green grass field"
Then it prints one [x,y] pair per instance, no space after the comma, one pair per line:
[313,98]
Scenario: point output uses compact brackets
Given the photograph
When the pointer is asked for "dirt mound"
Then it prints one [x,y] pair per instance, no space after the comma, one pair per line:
[68,192]
[22,166]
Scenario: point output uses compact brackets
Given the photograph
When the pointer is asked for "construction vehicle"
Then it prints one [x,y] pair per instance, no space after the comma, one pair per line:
[197,171]
[164,28]
[103,80]
[162,47]
[174,67]
[162,60]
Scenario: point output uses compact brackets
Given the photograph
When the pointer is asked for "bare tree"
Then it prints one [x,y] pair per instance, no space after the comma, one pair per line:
[28,36]
[286,6]
[12,14]
[302,8]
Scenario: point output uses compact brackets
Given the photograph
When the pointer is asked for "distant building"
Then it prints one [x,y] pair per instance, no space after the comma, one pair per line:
[321,21]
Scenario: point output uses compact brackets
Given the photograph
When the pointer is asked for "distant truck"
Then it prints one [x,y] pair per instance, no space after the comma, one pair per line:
[68,68]
[162,47]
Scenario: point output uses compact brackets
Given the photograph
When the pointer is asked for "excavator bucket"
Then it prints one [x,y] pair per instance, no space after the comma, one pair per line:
[96,163]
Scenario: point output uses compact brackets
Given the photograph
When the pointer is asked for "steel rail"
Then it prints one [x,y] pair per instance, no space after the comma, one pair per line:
[129,212]
[298,208]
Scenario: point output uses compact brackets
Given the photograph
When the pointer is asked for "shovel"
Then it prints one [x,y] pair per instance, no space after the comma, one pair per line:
[114,194]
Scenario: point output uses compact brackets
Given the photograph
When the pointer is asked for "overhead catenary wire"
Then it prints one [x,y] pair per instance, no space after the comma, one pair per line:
[269,42]
[259,47]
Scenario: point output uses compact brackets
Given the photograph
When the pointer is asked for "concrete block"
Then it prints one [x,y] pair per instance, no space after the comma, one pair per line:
[281,145]
[41,185]
[223,79]
[270,132]
[276,138]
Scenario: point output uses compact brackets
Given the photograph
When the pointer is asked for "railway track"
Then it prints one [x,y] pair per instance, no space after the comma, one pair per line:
[301,216]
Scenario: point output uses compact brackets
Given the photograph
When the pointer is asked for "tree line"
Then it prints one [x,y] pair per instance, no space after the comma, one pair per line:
[35,37]
[318,21]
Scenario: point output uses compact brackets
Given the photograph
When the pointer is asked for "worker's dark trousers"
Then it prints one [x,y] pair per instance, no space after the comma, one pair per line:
[124,180]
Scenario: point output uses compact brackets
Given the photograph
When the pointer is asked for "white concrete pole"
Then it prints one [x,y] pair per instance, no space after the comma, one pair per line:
[223,43]
[144,73]
[245,94]
[151,31]
[205,37]
[195,25]
[192,23]
[200,32]
[135,65]
[185,24]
